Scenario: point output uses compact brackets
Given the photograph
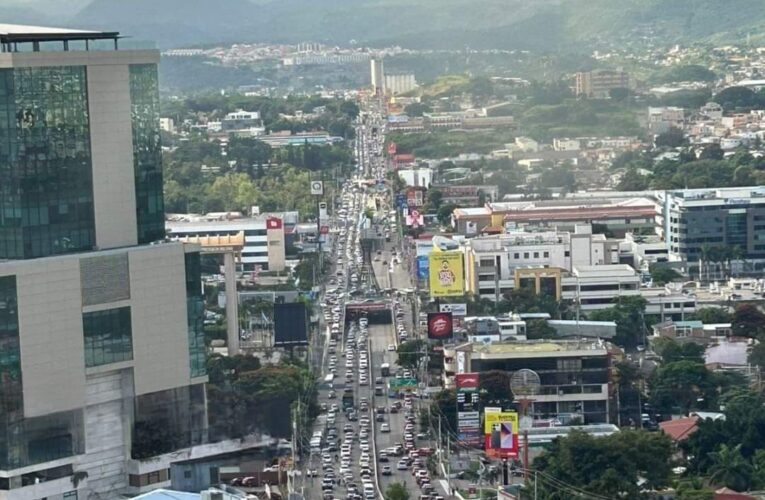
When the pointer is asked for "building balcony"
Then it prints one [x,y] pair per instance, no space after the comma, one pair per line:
[555,393]
[54,488]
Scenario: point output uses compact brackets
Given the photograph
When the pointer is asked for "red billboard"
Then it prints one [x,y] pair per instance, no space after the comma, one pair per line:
[273,223]
[440,325]
[392,148]
[466,380]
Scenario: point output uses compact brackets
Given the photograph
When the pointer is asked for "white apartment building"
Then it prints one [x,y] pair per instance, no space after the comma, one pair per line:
[493,260]
[264,236]
[600,287]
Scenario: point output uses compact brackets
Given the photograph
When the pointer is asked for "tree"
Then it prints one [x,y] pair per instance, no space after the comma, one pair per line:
[494,386]
[628,315]
[712,152]
[410,352]
[748,321]
[730,468]
[737,97]
[540,329]
[417,109]
[619,94]
[671,351]
[663,274]
[435,197]
[683,385]
[232,192]
[672,138]
[396,491]
[444,213]
[712,315]
[632,180]
[757,356]
[608,466]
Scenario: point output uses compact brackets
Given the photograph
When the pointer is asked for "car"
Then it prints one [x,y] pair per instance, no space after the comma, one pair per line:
[402,465]
[384,428]
[386,470]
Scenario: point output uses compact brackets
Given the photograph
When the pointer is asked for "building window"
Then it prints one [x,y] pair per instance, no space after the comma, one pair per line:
[516,255]
[108,336]
[147,152]
[195,315]
[46,182]
[547,255]
[536,255]
[70,495]
[525,255]
[567,254]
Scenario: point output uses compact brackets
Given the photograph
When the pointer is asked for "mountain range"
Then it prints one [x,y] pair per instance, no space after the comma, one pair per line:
[448,24]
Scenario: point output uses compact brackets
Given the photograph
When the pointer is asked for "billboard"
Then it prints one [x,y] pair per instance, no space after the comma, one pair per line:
[468,409]
[439,326]
[447,277]
[455,309]
[290,324]
[500,434]
[423,266]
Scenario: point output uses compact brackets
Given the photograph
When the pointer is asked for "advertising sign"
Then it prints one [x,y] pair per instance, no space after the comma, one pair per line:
[392,148]
[468,408]
[414,219]
[466,381]
[501,434]
[273,223]
[455,309]
[423,266]
[400,201]
[439,326]
[317,188]
[447,277]
[290,324]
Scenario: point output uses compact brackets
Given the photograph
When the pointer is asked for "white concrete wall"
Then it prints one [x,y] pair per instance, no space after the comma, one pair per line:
[160,332]
[50,327]
[107,414]
[112,156]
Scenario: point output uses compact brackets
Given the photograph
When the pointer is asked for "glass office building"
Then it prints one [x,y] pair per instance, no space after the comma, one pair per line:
[102,352]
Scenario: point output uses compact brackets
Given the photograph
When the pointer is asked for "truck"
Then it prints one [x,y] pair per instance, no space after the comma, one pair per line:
[347,400]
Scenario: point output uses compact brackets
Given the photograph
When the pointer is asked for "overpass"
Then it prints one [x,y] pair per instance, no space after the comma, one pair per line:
[376,311]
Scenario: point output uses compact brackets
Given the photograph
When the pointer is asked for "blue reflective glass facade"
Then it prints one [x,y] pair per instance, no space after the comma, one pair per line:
[46,188]
[11,396]
[108,336]
[195,310]
[147,152]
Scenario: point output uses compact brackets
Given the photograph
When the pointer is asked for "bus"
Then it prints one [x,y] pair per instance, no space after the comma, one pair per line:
[385,370]
[347,401]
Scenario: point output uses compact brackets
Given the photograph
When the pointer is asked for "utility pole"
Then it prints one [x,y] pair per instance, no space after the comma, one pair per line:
[291,477]
[448,466]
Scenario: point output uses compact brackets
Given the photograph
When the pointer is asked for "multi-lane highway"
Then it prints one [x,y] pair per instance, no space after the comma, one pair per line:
[368,434]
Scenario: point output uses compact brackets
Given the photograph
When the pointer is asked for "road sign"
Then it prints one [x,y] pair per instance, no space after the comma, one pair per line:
[317,188]
[401,201]
[324,230]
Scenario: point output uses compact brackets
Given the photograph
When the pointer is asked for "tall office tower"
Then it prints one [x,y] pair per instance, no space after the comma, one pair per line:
[377,76]
[102,357]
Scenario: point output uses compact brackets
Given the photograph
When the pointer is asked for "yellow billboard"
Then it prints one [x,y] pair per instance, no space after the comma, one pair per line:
[500,433]
[447,275]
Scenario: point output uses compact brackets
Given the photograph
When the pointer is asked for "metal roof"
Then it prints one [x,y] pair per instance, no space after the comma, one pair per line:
[21,33]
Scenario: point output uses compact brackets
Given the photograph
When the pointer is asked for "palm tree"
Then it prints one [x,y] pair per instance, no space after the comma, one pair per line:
[730,468]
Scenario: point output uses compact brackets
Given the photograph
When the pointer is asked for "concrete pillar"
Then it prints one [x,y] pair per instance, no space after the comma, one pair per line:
[232,304]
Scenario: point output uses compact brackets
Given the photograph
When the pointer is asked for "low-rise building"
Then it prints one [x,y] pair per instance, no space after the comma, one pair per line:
[497,264]
[574,374]
[264,235]
[599,83]
[600,286]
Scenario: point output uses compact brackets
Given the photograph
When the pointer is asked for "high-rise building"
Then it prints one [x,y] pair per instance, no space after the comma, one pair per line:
[102,355]
[377,76]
